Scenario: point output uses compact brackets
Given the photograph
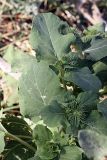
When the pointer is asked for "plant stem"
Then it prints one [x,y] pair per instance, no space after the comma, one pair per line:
[26,137]
[21,141]
[9,108]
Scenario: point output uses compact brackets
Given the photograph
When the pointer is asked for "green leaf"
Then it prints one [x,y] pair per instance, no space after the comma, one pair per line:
[19,128]
[47,152]
[16,151]
[46,149]
[18,59]
[100,69]
[102,107]
[87,98]
[100,66]
[53,114]
[50,38]
[93,144]
[84,79]
[38,86]
[2,143]
[16,126]
[97,123]
[42,134]
[99,27]
[71,153]
[61,139]
[98,50]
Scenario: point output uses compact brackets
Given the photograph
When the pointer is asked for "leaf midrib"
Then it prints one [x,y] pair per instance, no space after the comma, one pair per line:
[88,50]
[50,36]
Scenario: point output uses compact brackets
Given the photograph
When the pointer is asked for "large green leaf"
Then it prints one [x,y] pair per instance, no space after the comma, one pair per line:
[53,114]
[93,144]
[98,50]
[102,107]
[84,79]
[71,153]
[50,37]
[38,86]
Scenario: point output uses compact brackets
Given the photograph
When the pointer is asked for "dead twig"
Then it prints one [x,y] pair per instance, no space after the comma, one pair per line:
[5,3]
[11,33]
[13,42]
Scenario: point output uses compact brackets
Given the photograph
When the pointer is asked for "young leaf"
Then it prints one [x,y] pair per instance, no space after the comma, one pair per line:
[42,134]
[47,152]
[46,149]
[63,139]
[49,37]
